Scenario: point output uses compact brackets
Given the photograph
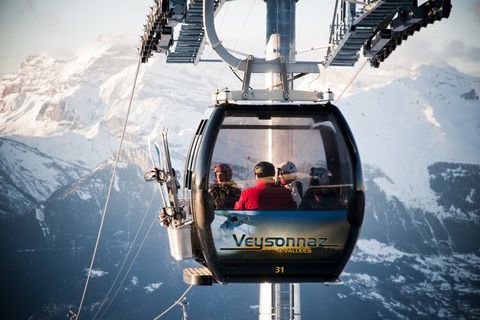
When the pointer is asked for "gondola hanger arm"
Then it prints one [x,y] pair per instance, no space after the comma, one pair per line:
[257,65]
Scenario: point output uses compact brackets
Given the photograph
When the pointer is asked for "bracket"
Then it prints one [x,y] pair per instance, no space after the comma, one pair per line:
[262,95]
[260,65]
[284,78]
[247,76]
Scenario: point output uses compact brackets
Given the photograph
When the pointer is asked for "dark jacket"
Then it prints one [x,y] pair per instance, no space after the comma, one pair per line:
[225,195]
[319,199]
[266,196]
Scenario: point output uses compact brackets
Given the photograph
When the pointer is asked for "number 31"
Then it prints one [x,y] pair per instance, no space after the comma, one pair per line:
[279,269]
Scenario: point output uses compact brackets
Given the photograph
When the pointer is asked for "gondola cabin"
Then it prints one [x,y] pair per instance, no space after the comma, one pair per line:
[263,149]
[270,241]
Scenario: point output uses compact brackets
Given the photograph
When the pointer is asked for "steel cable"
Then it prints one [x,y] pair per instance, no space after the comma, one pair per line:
[112,179]
[129,268]
[351,80]
[125,260]
[174,304]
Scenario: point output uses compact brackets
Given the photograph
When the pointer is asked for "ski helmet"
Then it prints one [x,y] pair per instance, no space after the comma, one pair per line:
[288,167]
[320,176]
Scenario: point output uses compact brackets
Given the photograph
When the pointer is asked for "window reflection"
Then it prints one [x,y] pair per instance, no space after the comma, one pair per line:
[308,164]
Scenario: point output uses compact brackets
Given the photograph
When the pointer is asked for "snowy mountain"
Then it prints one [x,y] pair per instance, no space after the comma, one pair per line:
[60,122]
[76,109]
[416,122]
[32,175]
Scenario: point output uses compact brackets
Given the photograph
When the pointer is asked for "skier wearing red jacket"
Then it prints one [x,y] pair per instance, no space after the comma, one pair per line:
[265,195]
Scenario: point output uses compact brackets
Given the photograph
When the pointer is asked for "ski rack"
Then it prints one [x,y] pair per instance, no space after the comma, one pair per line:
[174,215]
[379,27]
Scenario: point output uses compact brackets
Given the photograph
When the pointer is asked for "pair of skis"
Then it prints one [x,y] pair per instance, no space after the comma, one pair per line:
[171,214]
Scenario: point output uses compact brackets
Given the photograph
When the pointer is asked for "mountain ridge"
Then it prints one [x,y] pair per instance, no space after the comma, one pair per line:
[418,252]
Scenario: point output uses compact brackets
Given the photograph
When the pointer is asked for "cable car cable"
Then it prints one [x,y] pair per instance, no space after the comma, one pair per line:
[223,17]
[349,83]
[239,78]
[173,305]
[244,24]
[238,39]
[112,179]
[126,258]
[295,77]
[351,80]
[314,49]
[312,81]
[130,267]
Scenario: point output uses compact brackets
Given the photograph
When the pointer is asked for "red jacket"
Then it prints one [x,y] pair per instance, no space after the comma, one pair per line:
[266,196]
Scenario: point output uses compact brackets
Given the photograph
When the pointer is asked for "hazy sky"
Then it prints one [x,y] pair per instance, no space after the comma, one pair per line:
[62,27]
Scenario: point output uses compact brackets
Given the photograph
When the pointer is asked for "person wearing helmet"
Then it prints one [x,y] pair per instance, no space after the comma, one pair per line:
[287,174]
[320,195]
[265,195]
[224,191]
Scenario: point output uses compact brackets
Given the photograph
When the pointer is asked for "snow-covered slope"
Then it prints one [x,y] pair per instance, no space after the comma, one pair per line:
[76,109]
[412,123]
[33,173]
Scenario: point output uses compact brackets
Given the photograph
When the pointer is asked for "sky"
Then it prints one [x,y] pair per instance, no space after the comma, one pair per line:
[61,28]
